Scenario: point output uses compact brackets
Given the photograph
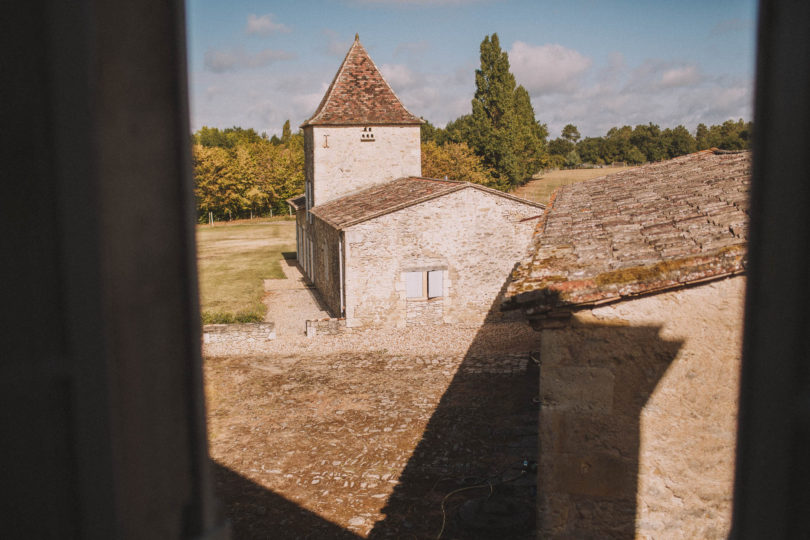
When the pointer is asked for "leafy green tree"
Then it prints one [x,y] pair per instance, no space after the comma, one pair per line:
[210,137]
[647,138]
[590,150]
[732,135]
[634,156]
[616,144]
[237,135]
[570,133]
[460,130]
[503,130]
[678,141]
[430,133]
[560,147]
[702,137]
[286,132]
[572,159]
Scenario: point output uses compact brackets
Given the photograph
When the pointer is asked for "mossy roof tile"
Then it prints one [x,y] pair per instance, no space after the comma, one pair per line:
[665,225]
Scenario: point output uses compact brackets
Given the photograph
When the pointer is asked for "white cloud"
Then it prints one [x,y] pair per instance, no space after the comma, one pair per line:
[680,76]
[547,69]
[639,97]
[220,61]
[565,86]
[258,99]
[399,76]
[436,96]
[265,25]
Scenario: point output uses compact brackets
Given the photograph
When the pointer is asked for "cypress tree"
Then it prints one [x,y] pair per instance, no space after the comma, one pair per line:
[503,129]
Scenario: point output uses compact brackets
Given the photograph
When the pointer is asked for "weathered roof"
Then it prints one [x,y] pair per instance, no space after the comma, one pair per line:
[646,229]
[359,95]
[298,201]
[392,196]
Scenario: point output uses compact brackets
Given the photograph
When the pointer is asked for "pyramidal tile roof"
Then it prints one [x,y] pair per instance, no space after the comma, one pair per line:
[359,95]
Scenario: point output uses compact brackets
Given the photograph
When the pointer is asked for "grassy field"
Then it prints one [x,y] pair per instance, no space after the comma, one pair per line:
[233,259]
[542,186]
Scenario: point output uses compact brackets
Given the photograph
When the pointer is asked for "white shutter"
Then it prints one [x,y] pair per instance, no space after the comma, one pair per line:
[413,284]
[435,285]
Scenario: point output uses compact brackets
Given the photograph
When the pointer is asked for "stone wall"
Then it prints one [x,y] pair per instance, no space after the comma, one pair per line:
[238,333]
[325,271]
[424,311]
[301,228]
[474,236]
[345,160]
[329,327]
[638,417]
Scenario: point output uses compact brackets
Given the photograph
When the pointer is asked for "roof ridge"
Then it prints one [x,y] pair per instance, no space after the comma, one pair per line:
[439,189]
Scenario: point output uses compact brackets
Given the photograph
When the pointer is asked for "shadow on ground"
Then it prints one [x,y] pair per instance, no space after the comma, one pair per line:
[473,474]
[255,512]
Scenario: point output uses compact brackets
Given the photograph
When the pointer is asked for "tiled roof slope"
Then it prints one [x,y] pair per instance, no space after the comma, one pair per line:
[642,230]
[297,202]
[392,196]
[359,95]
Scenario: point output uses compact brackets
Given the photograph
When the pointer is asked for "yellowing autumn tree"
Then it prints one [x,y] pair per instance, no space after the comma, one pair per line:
[456,161]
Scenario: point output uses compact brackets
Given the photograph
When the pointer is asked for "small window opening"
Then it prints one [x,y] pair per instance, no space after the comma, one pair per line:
[367,135]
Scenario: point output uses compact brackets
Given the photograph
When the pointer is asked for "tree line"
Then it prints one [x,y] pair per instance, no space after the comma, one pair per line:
[239,173]
[644,143]
[511,145]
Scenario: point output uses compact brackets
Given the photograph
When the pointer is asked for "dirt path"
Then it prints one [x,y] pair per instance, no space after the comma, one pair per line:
[291,301]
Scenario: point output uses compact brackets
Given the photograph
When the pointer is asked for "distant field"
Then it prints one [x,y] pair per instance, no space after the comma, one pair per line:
[233,259]
[542,186]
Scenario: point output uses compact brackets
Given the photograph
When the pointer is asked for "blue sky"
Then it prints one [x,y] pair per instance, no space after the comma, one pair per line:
[595,64]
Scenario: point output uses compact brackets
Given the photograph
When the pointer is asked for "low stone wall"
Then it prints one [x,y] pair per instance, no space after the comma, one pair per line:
[238,333]
[329,327]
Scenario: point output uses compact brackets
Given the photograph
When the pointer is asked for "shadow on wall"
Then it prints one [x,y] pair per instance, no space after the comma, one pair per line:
[595,381]
[495,314]
[256,512]
[592,388]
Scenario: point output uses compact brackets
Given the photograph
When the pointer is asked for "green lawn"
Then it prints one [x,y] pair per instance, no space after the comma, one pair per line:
[543,185]
[233,259]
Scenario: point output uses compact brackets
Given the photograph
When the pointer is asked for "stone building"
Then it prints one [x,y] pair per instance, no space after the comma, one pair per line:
[635,282]
[383,245]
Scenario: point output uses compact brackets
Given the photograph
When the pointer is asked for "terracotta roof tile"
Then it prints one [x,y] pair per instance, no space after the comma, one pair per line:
[359,95]
[642,230]
[392,196]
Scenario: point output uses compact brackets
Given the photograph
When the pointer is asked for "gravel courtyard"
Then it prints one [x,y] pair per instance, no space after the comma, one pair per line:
[377,434]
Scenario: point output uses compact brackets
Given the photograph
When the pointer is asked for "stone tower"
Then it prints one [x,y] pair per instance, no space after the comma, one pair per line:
[360,135]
